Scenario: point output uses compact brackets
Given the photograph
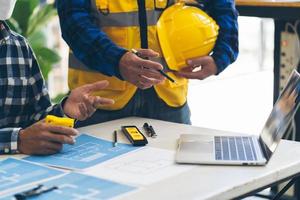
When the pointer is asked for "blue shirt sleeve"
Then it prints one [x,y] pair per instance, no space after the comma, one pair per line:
[89,44]
[96,50]
[226,48]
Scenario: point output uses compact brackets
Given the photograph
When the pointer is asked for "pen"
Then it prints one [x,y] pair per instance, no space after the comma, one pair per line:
[34,192]
[160,71]
[115,138]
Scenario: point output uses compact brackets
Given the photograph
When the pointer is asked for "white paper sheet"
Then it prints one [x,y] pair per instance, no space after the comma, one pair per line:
[141,167]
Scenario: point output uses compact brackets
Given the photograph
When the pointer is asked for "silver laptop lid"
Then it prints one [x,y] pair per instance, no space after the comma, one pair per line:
[282,113]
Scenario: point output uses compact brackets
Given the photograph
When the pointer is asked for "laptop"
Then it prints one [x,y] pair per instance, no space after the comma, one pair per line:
[243,149]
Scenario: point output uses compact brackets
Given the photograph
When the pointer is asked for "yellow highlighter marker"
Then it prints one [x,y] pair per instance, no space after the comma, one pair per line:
[60,121]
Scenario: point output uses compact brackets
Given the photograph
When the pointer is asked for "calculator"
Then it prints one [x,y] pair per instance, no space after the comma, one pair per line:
[134,135]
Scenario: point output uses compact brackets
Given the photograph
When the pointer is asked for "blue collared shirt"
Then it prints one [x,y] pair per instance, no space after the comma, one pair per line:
[24,98]
[97,51]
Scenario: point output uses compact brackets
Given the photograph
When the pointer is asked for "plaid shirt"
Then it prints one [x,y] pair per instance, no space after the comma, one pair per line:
[24,98]
[96,50]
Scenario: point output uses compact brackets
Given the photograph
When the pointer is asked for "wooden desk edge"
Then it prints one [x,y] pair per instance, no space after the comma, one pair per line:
[267,3]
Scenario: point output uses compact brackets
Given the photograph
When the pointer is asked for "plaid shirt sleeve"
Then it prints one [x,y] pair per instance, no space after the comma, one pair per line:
[226,49]
[9,140]
[39,102]
[88,43]
[40,98]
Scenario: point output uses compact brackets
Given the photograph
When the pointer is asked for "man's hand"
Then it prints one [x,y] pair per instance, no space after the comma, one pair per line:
[43,139]
[199,68]
[141,72]
[81,104]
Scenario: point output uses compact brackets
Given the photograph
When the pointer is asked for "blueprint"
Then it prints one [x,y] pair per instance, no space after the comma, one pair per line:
[86,152]
[15,173]
[75,186]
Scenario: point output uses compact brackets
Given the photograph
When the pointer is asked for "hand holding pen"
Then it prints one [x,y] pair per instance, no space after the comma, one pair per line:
[141,72]
[159,70]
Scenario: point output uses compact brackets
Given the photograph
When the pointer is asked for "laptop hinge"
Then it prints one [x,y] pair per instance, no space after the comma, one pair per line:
[266,152]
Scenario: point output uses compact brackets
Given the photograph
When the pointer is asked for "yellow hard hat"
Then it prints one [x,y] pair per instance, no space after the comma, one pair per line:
[185,32]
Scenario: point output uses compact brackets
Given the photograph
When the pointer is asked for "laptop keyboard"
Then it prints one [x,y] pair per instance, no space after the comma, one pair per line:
[234,148]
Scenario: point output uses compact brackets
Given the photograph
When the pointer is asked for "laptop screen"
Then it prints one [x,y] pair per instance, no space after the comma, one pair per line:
[282,114]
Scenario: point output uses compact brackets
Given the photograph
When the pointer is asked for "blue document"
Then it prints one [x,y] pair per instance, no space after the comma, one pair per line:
[14,173]
[79,186]
[86,152]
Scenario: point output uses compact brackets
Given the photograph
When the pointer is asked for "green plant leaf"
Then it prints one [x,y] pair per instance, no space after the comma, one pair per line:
[40,17]
[50,55]
[46,58]
[45,67]
[37,39]
[22,11]
[28,19]
[14,25]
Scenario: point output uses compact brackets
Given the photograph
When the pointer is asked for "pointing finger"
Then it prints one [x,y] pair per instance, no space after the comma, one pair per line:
[97,101]
[153,74]
[150,64]
[95,86]
[83,112]
[89,105]
[62,130]
[191,75]
[196,61]
[147,53]
[58,138]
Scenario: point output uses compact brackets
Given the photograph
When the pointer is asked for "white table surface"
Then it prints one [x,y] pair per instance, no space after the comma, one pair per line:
[203,182]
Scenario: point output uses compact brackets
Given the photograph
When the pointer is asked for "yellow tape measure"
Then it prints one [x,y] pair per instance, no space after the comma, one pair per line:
[60,121]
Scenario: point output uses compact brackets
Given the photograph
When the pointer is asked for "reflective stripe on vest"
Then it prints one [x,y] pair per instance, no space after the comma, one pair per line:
[121,24]
[127,19]
[77,64]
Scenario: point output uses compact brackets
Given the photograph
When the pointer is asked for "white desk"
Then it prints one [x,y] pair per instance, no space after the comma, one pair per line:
[204,182]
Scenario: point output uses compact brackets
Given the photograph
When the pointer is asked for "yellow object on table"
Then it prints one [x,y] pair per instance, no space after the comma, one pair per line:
[60,121]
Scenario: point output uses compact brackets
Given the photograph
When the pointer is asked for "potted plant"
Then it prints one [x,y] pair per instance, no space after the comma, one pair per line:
[29,19]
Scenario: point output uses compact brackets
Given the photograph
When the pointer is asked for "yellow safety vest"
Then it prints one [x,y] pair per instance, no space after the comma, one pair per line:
[119,19]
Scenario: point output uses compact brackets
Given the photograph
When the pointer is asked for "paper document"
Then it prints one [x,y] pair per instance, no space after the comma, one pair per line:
[142,167]
[75,186]
[15,173]
[86,152]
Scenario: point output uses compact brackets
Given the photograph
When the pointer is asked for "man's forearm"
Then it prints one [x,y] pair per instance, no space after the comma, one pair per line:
[88,43]
[226,49]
